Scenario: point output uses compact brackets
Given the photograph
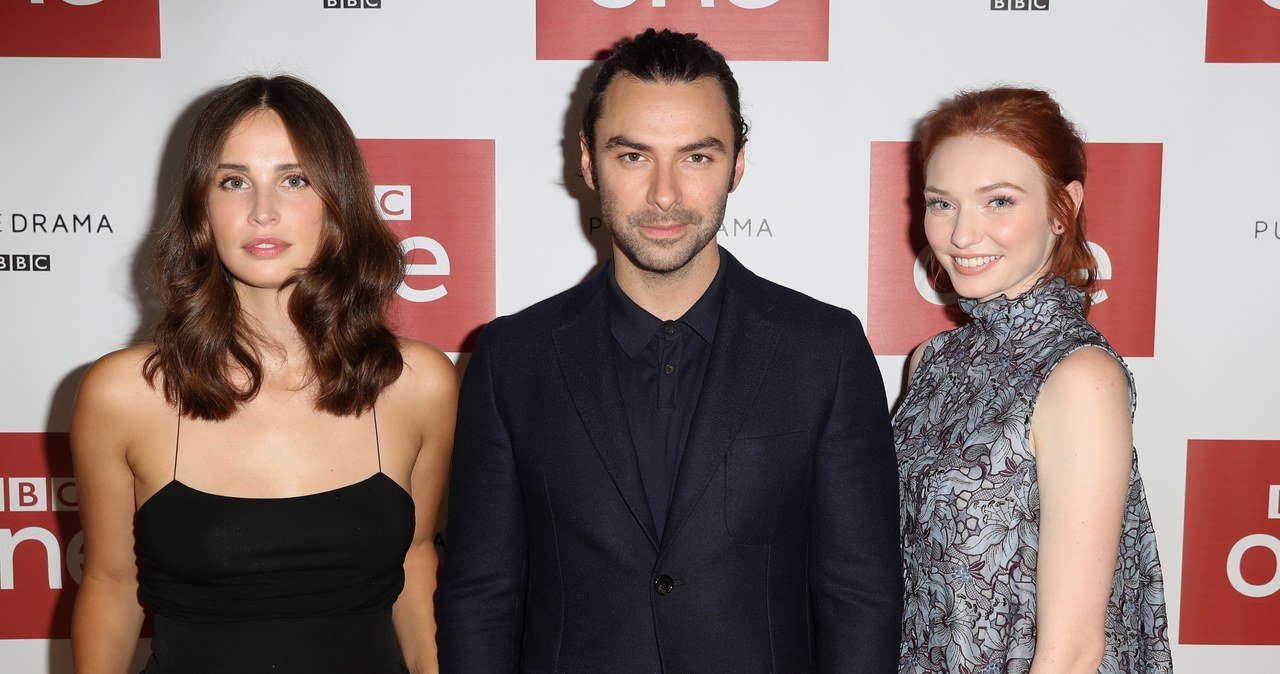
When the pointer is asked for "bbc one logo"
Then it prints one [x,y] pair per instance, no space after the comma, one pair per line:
[743,30]
[1122,193]
[353,4]
[742,4]
[1242,31]
[40,495]
[80,28]
[41,545]
[438,197]
[1231,543]
[396,204]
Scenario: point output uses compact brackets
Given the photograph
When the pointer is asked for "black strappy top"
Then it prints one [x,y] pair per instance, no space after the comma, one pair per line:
[299,584]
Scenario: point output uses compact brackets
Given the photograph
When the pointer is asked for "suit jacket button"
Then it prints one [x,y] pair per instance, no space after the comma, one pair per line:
[664,584]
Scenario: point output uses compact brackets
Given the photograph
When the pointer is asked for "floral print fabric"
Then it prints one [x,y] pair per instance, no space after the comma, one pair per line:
[970,513]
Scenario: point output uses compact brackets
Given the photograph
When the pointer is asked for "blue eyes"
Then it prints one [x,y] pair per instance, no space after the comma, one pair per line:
[995,203]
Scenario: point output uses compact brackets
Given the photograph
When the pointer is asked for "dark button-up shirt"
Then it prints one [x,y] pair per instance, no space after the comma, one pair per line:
[660,369]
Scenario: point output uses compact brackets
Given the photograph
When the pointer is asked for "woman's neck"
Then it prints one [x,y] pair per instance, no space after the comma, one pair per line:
[281,349]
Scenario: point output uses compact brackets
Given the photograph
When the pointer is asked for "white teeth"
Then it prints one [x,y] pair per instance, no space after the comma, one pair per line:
[265,245]
[971,262]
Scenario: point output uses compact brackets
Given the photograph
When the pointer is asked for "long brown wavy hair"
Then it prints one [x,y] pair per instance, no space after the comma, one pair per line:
[1031,121]
[204,343]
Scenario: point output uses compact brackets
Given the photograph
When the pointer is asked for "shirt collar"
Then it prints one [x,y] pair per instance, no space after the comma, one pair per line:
[633,327]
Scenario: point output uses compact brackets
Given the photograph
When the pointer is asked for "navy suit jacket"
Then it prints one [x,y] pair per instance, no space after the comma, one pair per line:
[780,552]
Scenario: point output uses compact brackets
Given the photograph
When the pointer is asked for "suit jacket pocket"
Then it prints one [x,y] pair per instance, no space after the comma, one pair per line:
[766,486]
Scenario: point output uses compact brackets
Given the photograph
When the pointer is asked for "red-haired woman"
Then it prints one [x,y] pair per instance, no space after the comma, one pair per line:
[1027,542]
[265,476]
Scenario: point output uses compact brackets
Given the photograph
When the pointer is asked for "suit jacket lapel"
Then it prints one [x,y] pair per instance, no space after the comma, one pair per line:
[744,345]
[584,347]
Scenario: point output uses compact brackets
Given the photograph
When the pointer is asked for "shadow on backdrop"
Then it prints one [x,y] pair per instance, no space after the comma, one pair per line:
[916,239]
[58,419]
[588,201]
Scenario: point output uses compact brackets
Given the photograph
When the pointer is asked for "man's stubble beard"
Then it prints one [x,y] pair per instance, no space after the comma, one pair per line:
[662,257]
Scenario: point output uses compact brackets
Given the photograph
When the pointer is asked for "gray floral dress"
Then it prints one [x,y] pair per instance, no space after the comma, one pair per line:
[971,503]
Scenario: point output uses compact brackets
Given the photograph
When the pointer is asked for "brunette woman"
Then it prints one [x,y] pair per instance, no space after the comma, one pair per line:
[265,475]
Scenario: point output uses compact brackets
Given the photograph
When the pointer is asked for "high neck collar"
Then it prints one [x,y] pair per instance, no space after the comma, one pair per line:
[1046,297]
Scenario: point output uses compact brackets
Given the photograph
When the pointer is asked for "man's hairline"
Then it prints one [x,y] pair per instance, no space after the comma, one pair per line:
[668,81]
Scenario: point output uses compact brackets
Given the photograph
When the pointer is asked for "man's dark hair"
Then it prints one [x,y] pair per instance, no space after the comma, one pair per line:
[666,57]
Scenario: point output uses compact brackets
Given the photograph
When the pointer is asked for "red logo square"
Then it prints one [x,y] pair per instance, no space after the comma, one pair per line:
[742,30]
[1242,31]
[1231,543]
[438,196]
[1123,197]
[86,28]
[41,547]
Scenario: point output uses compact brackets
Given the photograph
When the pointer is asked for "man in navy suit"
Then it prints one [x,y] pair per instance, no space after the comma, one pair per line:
[676,466]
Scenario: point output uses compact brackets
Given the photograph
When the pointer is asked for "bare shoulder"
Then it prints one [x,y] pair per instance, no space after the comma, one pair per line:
[1084,404]
[115,381]
[426,398]
[428,373]
[1087,370]
[116,409]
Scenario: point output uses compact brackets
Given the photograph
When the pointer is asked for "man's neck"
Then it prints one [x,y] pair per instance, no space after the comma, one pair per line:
[668,295]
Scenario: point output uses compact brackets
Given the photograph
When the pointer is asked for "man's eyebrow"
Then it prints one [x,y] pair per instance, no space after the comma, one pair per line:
[708,143]
[624,142]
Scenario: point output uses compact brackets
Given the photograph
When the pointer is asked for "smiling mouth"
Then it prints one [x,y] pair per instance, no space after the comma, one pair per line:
[975,262]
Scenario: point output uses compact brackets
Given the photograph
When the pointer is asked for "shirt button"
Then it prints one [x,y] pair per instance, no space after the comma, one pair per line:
[669,368]
[669,328]
[664,585]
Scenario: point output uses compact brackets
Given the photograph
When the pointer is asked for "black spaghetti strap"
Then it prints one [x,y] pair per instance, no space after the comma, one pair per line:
[177,435]
[376,442]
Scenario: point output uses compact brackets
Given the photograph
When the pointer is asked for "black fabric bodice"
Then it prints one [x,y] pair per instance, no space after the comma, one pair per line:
[300,584]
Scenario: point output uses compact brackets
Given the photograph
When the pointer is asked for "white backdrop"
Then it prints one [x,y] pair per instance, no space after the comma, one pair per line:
[97,137]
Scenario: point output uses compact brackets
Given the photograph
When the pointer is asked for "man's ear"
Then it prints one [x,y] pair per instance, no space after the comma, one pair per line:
[739,165]
[585,162]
